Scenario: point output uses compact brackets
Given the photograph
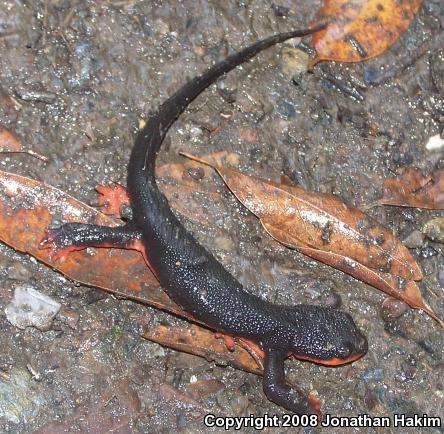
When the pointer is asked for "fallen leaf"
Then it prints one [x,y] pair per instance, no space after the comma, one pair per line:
[26,210]
[324,228]
[407,291]
[196,340]
[10,143]
[179,186]
[413,189]
[358,30]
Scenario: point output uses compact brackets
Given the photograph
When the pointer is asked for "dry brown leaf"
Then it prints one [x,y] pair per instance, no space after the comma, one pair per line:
[326,229]
[10,143]
[407,291]
[202,342]
[26,210]
[361,29]
[178,185]
[321,222]
[413,189]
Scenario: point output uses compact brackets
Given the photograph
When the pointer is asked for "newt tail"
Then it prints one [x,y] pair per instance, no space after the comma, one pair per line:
[195,279]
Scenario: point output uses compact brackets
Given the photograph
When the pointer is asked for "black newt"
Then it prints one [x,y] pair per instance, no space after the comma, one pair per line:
[196,280]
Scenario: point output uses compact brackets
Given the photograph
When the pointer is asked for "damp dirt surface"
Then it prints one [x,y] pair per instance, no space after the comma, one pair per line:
[77,80]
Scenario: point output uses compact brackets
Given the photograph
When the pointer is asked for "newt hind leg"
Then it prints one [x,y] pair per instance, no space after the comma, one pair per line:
[111,198]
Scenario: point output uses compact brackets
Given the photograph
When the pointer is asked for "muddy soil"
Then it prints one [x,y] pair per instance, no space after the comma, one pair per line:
[77,79]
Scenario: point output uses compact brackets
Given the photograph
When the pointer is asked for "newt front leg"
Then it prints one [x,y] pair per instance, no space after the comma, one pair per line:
[276,389]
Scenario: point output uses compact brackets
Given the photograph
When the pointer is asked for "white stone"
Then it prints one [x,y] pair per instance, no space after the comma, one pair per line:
[31,308]
[434,143]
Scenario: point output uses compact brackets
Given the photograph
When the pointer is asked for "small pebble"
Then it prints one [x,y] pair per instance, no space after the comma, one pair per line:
[434,229]
[434,143]
[18,271]
[287,110]
[195,132]
[293,61]
[371,75]
[126,211]
[36,96]
[224,243]
[370,399]
[161,27]
[393,308]
[428,252]
[280,11]
[333,300]
[373,374]
[31,308]
[406,375]
[441,271]
[229,94]
[197,173]
[414,240]
[69,317]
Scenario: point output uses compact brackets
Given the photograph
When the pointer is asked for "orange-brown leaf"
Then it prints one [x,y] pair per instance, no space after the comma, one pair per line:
[9,142]
[321,222]
[361,29]
[413,189]
[202,342]
[325,228]
[407,291]
[26,210]
[178,186]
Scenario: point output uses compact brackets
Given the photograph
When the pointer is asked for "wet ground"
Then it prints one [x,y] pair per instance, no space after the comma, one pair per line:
[77,77]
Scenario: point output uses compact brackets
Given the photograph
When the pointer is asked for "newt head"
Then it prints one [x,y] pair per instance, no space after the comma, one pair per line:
[325,336]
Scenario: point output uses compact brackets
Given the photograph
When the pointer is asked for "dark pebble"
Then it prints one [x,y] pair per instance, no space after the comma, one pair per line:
[370,399]
[197,173]
[126,211]
[428,252]
[403,159]
[405,375]
[94,295]
[371,76]
[280,11]
[373,374]
[333,300]
[392,308]
[287,110]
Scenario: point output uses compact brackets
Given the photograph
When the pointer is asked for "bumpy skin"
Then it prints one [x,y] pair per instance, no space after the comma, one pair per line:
[195,280]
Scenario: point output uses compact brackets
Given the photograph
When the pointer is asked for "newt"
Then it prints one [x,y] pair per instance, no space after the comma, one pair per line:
[196,280]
